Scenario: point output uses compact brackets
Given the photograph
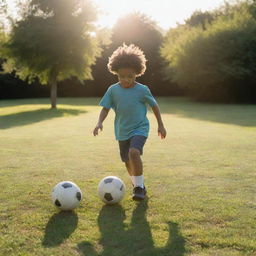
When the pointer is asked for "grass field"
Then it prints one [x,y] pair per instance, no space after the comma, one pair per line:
[200,180]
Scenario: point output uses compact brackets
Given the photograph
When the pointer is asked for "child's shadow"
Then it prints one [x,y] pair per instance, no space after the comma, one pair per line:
[136,241]
[59,227]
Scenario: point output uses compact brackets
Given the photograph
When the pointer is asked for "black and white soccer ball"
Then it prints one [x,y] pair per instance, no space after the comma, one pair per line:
[111,190]
[66,195]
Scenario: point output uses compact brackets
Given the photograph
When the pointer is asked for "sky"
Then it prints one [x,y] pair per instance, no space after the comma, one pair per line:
[165,12]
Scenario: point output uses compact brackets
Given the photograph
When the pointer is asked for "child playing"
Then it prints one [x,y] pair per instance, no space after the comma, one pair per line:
[128,99]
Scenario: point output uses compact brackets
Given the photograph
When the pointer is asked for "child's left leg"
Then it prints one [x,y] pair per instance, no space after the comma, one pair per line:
[134,155]
[130,152]
[135,162]
[129,167]
[137,167]
[134,167]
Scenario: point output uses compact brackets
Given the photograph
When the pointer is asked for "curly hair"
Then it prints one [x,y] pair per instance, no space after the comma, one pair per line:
[127,56]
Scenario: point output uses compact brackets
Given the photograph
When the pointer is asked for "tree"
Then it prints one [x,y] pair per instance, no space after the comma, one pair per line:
[3,10]
[53,41]
[139,29]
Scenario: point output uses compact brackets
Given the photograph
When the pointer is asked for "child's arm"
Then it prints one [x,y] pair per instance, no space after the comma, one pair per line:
[102,117]
[161,129]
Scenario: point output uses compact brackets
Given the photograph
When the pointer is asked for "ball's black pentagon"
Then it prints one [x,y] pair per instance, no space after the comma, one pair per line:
[66,185]
[121,187]
[108,180]
[108,197]
[57,203]
[78,196]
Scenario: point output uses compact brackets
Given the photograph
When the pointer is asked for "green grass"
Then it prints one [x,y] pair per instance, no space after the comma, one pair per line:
[200,180]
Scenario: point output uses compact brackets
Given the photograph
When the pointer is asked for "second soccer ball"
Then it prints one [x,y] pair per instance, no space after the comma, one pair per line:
[111,189]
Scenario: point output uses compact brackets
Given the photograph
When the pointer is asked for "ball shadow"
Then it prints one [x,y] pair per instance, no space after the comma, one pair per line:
[59,227]
[113,235]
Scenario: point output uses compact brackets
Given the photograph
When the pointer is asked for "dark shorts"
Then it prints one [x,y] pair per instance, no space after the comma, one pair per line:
[136,141]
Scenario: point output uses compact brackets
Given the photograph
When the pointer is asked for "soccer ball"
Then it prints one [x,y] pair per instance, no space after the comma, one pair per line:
[66,195]
[111,190]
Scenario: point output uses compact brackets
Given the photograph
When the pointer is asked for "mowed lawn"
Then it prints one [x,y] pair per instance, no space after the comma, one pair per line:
[200,180]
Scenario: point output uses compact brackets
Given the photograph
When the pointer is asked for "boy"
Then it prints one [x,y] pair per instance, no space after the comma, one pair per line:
[128,99]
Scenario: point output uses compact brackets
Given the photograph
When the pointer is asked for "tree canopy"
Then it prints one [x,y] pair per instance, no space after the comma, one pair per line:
[53,41]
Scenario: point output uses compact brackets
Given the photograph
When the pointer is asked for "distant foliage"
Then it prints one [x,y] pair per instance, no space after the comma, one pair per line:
[202,19]
[215,62]
[62,47]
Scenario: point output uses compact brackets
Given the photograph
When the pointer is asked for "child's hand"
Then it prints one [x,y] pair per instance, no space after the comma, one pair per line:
[161,132]
[96,129]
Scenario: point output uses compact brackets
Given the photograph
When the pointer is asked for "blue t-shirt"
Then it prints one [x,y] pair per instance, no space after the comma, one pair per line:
[130,108]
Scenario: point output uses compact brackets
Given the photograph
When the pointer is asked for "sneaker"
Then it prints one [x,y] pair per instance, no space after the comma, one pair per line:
[139,193]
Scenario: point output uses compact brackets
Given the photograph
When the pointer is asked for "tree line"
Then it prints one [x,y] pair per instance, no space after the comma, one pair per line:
[54,48]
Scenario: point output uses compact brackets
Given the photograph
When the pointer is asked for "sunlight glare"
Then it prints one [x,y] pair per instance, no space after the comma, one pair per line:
[165,12]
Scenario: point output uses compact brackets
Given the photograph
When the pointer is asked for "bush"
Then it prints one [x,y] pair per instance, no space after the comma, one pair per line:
[218,63]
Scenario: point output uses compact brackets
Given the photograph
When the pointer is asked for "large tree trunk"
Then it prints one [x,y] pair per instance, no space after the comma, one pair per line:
[53,85]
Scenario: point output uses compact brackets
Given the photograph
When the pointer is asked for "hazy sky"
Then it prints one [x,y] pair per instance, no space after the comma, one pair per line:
[165,12]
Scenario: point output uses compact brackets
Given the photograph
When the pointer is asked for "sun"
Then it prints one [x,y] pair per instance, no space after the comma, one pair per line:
[111,11]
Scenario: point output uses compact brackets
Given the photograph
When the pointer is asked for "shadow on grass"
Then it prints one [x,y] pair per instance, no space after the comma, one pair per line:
[136,241]
[29,117]
[79,101]
[59,227]
[237,114]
